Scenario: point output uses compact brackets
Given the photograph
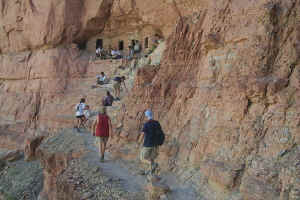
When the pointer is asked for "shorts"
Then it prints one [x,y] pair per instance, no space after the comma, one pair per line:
[117,86]
[80,116]
[101,140]
[100,82]
[149,153]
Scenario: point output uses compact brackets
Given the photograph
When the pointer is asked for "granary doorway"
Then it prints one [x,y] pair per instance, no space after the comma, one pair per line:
[121,45]
[99,43]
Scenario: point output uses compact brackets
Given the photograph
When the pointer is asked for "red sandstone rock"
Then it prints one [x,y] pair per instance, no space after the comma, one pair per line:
[227,88]
[31,145]
[58,22]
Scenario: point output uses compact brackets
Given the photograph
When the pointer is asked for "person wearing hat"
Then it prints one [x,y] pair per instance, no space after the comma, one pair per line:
[149,151]
[102,130]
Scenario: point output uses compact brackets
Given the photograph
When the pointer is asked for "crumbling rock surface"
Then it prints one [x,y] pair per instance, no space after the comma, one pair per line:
[136,15]
[33,80]
[71,169]
[227,92]
[29,25]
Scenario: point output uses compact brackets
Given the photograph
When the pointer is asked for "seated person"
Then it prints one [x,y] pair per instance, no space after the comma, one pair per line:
[116,54]
[102,79]
[99,52]
[108,100]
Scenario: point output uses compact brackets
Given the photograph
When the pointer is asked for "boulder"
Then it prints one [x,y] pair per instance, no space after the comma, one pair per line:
[31,145]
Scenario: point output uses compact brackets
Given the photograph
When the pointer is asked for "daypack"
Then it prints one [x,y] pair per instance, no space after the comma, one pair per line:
[118,79]
[159,135]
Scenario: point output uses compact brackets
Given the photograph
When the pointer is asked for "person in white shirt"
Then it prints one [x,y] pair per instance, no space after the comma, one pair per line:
[116,54]
[98,52]
[113,53]
[101,79]
[79,113]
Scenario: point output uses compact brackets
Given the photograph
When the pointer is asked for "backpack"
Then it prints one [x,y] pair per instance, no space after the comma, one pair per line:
[159,136]
[118,79]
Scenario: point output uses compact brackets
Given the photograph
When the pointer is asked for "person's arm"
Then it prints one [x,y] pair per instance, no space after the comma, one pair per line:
[94,126]
[125,86]
[111,134]
[140,138]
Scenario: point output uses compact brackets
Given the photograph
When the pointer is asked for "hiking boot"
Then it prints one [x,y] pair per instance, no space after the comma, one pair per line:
[143,172]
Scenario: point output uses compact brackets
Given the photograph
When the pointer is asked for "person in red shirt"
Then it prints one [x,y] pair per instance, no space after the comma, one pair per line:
[102,129]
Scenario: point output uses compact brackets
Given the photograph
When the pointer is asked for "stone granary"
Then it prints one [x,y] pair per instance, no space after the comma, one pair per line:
[147,37]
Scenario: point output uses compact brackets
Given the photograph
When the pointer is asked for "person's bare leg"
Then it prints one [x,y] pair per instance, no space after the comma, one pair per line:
[118,92]
[104,148]
[81,122]
[100,148]
[78,123]
[115,92]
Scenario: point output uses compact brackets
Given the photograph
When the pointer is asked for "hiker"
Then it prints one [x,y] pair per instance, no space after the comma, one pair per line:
[79,113]
[108,100]
[101,80]
[117,86]
[86,113]
[102,129]
[149,151]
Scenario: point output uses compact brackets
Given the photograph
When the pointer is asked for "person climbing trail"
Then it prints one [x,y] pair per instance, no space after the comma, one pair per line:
[87,114]
[153,136]
[102,129]
[79,113]
[108,100]
[118,85]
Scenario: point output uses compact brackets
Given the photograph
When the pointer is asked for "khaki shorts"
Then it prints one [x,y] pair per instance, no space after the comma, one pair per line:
[117,86]
[101,140]
[149,153]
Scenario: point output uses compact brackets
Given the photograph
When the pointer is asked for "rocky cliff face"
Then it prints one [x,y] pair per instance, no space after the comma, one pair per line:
[226,91]
[27,25]
[227,95]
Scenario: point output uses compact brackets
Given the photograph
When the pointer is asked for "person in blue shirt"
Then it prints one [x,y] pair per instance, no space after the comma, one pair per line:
[149,151]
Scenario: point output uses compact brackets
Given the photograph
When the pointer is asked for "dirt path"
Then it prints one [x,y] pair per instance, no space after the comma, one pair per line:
[127,171]
[131,181]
